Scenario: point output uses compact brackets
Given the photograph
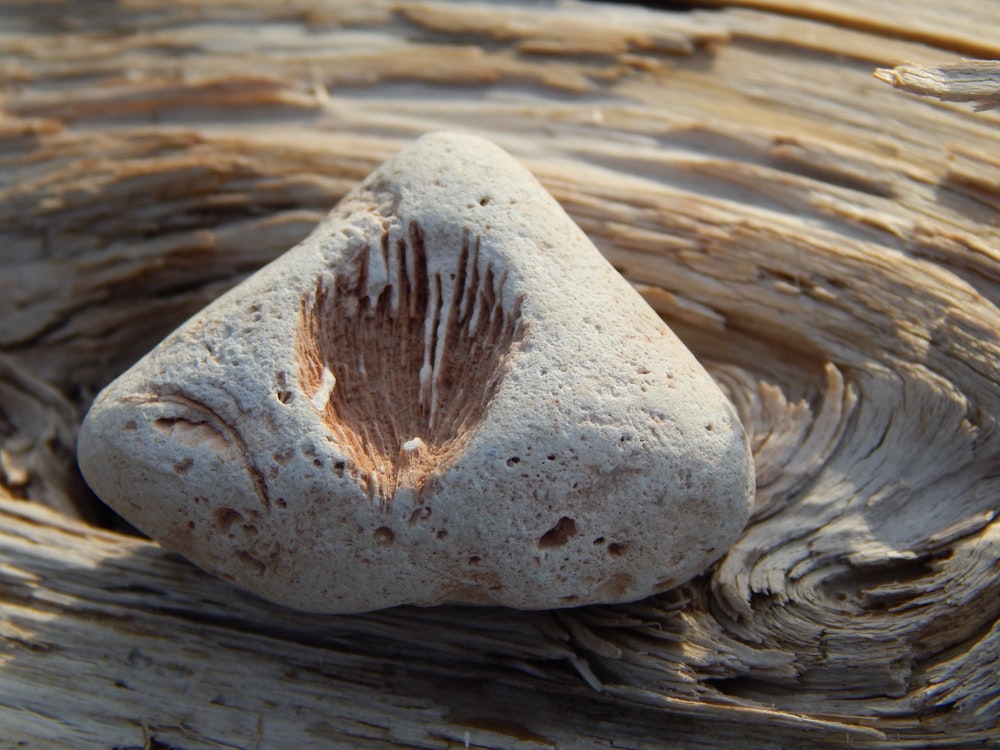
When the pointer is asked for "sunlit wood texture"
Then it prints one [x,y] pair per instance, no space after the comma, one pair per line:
[829,245]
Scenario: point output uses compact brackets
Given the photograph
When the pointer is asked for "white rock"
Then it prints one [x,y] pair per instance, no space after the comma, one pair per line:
[444,394]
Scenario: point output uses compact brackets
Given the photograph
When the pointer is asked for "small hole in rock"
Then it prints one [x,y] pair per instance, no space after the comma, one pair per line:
[616,549]
[552,457]
[558,535]
[474,560]
[441,534]
[419,514]
[226,517]
[599,540]
[338,468]
[513,461]
[281,503]
[384,536]
[484,200]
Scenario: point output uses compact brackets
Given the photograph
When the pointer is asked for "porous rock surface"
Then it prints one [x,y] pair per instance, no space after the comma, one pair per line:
[444,394]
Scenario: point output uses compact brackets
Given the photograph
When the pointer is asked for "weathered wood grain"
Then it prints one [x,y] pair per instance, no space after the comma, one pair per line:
[828,245]
[976,81]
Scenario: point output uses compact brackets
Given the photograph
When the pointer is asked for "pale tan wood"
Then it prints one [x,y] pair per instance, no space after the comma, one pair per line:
[976,81]
[828,245]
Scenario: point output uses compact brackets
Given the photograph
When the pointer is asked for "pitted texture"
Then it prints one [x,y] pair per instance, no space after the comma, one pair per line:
[445,394]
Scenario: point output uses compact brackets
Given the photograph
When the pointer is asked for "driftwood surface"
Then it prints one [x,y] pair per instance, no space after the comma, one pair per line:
[828,245]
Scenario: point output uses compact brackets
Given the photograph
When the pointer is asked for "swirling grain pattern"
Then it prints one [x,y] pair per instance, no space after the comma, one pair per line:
[827,245]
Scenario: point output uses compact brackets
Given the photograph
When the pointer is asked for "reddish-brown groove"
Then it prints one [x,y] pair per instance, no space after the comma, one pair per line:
[376,348]
[212,419]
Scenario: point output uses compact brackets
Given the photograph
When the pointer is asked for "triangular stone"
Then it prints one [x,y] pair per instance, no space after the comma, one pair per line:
[444,394]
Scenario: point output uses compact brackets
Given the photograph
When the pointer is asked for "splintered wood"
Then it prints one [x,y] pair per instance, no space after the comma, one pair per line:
[828,246]
[976,81]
